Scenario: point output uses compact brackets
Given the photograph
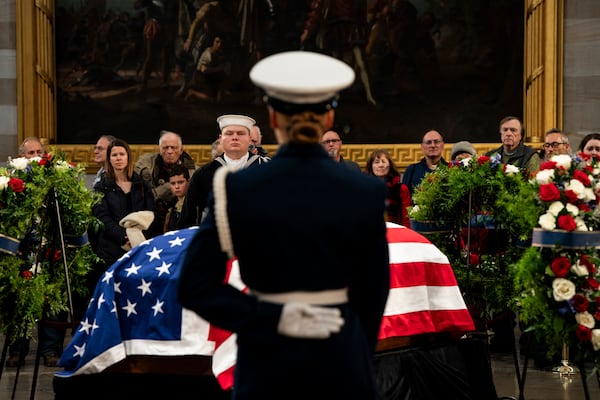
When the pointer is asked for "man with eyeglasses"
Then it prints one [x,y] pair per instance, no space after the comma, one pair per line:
[432,146]
[333,146]
[556,143]
[513,151]
[100,155]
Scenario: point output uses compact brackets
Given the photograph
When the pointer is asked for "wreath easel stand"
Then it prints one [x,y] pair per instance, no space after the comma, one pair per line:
[56,219]
[520,376]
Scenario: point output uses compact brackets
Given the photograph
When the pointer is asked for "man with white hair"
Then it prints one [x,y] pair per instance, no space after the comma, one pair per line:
[155,168]
[235,139]
[256,142]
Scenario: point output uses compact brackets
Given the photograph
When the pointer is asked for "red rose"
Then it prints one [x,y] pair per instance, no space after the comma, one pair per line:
[593,283]
[580,303]
[585,260]
[585,156]
[548,165]
[582,177]
[571,196]
[566,222]
[560,266]
[549,192]
[16,184]
[473,259]
[27,274]
[583,334]
[482,159]
[53,254]
[43,162]
[584,207]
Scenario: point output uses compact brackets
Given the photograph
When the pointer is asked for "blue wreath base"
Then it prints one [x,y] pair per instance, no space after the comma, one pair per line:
[565,239]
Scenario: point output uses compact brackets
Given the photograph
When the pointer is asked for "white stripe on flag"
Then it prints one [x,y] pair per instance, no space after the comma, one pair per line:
[225,355]
[415,252]
[423,298]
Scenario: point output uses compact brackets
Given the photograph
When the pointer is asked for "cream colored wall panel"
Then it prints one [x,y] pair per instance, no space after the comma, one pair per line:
[582,47]
[8,116]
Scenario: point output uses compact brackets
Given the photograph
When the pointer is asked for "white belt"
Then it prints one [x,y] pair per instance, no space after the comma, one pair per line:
[323,297]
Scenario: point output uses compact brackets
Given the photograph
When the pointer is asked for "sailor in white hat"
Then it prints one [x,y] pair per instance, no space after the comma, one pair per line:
[234,137]
[313,251]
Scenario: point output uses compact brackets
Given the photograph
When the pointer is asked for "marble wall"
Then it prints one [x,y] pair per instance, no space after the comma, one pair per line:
[581,73]
[8,80]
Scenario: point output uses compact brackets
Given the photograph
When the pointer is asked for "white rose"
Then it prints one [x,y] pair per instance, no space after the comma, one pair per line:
[555,208]
[563,289]
[20,163]
[596,339]
[596,171]
[589,195]
[544,176]
[465,161]
[4,182]
[576,187]
[547,221]
[562,160]
[572,209]
[586,319]
[36,159]
[511,170]
[413,210]
[62,165]
[581,226]
[579,270]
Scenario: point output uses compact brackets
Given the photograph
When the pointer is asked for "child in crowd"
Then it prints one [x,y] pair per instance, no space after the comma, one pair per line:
[178,178]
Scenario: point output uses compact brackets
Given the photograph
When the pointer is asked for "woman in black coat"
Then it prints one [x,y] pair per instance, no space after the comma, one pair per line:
[124,192]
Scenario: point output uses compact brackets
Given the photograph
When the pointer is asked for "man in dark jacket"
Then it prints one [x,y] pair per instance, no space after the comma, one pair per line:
[513,150]
[235,139]
[432,146]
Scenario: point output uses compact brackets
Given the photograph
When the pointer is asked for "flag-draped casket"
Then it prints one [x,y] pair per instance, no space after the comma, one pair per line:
[134,309]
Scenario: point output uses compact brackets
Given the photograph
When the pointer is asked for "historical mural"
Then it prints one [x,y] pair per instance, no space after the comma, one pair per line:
[134,67]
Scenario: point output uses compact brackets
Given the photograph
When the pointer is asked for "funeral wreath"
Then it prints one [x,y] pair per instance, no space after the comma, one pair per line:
[33,193]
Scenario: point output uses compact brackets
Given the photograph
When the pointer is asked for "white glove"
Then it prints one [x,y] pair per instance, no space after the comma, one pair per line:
[300,320]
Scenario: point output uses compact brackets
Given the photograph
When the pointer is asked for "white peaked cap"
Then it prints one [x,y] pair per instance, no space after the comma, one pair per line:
[234,119]
[301,77]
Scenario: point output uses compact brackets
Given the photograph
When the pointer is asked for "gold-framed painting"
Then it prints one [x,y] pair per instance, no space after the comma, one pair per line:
[84,69]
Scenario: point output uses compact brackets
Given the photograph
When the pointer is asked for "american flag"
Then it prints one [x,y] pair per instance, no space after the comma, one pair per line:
[135,308]
[134,311]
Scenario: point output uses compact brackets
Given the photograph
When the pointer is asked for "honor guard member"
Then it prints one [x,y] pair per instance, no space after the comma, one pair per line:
[308,327]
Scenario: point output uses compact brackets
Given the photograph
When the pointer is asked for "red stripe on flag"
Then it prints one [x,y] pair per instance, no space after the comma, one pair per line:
[399,234]
[421,274]
[428,321]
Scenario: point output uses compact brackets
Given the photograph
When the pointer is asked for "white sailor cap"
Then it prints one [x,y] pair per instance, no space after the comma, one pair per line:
[301,80]
[235,119]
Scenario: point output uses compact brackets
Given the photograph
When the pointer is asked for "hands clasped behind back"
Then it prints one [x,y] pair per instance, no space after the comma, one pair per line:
[305,321]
